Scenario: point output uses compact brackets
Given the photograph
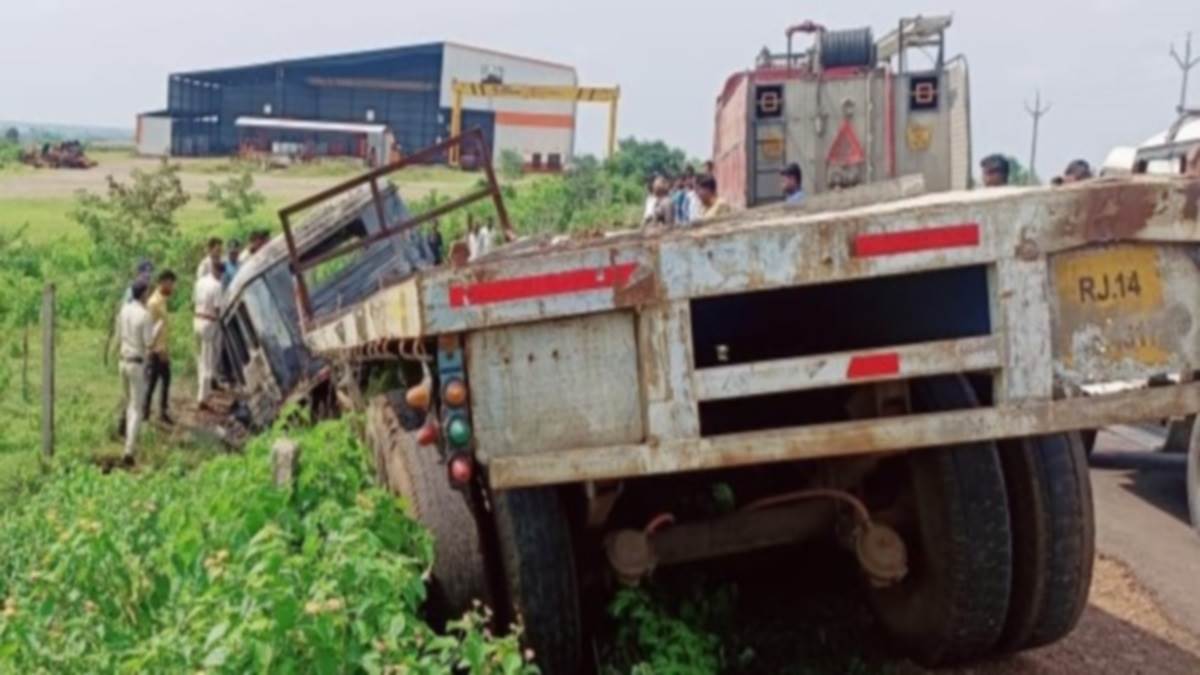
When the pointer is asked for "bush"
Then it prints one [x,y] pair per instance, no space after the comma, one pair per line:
[218,570]
[512,164]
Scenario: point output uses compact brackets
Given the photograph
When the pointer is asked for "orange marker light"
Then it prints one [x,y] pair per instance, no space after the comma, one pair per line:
[418,397]
[455,393]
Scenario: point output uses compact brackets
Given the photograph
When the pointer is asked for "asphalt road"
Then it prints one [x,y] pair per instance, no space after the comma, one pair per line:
[1142,520]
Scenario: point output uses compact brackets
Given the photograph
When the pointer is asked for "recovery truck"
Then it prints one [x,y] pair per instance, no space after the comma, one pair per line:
[904,378]
[849,110]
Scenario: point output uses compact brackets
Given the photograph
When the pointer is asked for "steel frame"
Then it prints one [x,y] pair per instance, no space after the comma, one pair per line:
[371,178]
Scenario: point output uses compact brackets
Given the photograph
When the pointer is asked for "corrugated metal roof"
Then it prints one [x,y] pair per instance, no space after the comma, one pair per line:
[309,125]
[342,59]
[356,58]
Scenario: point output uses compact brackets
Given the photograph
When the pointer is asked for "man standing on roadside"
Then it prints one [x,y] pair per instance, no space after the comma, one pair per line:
[258,239]
[1077,171]
[212,257]
[158,368]
[135,334]
[207,327]
[995,170]
[793,184]
[231,263]
[714,206]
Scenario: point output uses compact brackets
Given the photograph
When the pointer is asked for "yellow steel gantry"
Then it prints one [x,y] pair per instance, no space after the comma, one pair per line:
[535,92]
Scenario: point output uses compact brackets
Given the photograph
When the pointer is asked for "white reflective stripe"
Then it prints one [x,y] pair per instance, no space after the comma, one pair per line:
[832,370]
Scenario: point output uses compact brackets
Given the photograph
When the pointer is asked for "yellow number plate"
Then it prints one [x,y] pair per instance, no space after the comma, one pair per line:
[1114,293]
[1108,280]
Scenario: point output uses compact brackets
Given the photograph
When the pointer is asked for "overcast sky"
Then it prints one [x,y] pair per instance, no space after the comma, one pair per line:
[1103,64]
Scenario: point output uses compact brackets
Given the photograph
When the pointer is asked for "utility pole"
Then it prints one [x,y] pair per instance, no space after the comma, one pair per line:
[1186,63]
[1036,111]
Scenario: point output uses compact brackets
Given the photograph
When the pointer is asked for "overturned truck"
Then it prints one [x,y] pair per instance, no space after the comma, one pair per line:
[906,376]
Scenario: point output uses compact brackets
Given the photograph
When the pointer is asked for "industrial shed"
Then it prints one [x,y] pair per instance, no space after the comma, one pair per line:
[406,90]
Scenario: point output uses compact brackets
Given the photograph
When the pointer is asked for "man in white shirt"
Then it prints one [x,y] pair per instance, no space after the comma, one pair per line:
[207,295]
[212,256]
[135,334]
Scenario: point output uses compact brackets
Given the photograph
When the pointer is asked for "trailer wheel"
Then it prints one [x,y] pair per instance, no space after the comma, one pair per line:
[539,567]
[1193,477]
[951,607]
[459,574]
[1053,531]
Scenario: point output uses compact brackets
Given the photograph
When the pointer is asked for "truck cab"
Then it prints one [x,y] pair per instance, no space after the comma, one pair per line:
[264,356]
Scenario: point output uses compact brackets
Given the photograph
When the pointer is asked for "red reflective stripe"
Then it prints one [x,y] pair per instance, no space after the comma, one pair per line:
[873,365]
[928,239]
[541,285]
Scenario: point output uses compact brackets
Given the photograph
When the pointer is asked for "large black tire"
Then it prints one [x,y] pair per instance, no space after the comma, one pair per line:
[460,572]
[1193,477]
[951,607]
[1053,531]
[539,568]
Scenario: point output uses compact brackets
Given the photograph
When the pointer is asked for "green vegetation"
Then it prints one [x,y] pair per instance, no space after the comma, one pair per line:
[217,569]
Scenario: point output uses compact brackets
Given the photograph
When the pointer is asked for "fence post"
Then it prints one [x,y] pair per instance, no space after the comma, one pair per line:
[48,371]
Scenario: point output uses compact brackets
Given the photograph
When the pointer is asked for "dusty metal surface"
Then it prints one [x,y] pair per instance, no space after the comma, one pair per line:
[1015,419]
[774,248]
[554,385]
[1021,315]
[394,312]
[831,370]
[665,361]
[1124,312]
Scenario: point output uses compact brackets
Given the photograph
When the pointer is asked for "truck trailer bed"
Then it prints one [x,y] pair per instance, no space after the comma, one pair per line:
[726,328]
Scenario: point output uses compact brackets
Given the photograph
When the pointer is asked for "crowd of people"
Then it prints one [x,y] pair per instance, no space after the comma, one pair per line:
[689,198]
[143,332]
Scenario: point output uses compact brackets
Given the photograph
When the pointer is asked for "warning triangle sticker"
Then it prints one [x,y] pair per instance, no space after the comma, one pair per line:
[846,150]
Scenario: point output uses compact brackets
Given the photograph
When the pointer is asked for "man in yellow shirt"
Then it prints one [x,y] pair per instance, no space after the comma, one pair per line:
[713,206]
[158,367]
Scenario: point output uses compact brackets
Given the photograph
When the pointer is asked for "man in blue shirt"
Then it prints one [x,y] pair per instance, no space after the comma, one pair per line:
[231,265]
[793,184]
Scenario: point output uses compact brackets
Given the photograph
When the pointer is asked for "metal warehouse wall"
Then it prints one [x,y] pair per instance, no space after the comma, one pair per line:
[529,127]
[399,88]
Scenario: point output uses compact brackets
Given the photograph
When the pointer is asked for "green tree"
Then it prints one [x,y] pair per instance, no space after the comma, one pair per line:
[641,160]
[132,221]
[12,135]
[237,199]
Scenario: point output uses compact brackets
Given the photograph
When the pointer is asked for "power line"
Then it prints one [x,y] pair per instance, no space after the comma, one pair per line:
[1036,111]
[1185,63]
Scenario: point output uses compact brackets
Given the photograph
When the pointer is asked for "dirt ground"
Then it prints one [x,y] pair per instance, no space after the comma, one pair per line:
[56,184]
[1123,631]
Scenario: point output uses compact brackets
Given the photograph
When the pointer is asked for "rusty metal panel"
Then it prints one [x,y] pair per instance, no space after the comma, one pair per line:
[554,385]
[394,312]
[1125,312]
[538,287]
[832,370]
[844,438]
[1021,313]
[665,356]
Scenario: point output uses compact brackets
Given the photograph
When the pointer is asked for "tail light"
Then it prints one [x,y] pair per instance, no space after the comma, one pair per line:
[461,470]
[428,434]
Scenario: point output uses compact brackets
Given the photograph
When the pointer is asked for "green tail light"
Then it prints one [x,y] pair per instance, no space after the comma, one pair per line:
[458,431]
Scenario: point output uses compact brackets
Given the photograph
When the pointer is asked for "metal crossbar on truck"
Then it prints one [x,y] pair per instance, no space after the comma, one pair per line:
[906,375]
